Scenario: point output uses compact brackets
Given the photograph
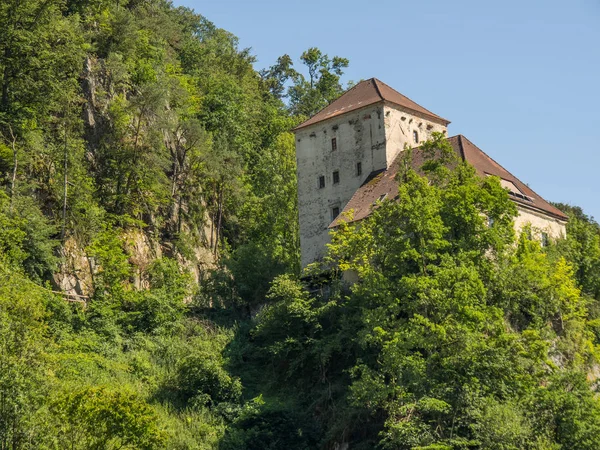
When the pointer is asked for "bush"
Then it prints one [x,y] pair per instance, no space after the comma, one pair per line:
[262,427]
[202,380]
[101,418]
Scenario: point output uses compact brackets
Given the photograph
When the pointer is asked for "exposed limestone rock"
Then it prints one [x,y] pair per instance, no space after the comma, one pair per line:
[75,274]
[142,251]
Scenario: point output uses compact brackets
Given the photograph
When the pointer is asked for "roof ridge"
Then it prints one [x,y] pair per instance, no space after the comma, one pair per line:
[336,99]
[375,83]
[461,146]
[369,92]
[409,99]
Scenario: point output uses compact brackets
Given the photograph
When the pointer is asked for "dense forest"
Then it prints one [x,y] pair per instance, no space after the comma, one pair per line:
[151,294]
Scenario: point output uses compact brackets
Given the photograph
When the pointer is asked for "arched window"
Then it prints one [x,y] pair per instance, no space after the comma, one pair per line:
[416,136]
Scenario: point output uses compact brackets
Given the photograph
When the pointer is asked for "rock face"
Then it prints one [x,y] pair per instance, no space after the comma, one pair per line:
[76,271]
[75,274]
[142,251]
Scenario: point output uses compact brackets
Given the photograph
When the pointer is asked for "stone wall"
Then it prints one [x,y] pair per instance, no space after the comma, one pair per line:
[540,223]
[360,138]
[399,129]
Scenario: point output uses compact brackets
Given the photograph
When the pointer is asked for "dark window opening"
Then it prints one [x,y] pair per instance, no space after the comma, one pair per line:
[333,144]
[545,240]
[521,196]
[416,136]
[358,169]
[336,177]
[335,211]
[321,181]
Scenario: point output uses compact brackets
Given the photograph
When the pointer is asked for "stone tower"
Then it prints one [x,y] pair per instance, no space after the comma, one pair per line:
[337,149]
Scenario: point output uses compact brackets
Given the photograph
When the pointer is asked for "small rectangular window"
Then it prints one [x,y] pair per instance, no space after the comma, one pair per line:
[335,211]
[545,240]
[336,177]
[333,144]
[321,181]
[358,169]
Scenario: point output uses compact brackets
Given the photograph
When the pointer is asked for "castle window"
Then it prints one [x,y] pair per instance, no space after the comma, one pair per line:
[336,177]
[333,144]
[358,169]
[545,240]
[335,211]
[416,136]
[321,181]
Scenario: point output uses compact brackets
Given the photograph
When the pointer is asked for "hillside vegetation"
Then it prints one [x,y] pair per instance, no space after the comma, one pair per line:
[150,292]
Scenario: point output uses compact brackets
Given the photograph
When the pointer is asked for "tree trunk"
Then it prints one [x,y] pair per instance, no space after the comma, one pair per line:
[219,217]
[5,81]
[65,190]
[13,180]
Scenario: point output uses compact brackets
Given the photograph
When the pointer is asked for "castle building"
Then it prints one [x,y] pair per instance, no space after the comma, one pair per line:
[347,159]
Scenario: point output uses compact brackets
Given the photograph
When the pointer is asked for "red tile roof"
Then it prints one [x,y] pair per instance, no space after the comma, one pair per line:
[383,183]
[367,93]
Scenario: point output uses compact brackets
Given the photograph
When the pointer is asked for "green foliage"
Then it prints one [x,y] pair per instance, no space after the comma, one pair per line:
[24,362]
[121,118]
[98,418]
[137,117]
[114,270]
[203,381]
[582,248]
[309,95]
[500,425]
[163,305]
[260,426]
[25,240]
[450,337]
[568,411]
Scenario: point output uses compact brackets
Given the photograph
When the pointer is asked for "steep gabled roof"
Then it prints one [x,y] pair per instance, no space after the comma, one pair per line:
[367,93]
[383,184]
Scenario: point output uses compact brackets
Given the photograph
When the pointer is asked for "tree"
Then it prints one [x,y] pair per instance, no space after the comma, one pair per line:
[306,95]
[23,345]
[451,321]
[99,418]
[582,248]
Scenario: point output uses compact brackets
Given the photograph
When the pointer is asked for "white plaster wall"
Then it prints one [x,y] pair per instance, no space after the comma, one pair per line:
[555,228]
[399,127]
[360,137]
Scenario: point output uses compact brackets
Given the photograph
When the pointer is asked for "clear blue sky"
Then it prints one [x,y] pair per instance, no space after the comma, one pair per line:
[521,79]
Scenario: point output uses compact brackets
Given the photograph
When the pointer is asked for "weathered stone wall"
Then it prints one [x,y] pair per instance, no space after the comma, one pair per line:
[360,137]
[399,128]
[555,228]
